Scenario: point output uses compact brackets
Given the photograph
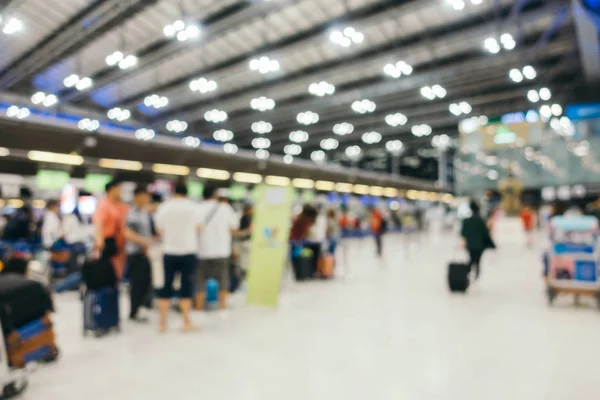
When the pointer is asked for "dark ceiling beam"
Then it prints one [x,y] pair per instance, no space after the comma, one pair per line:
[98,17]
[478,23]
[380,9]
[241,13]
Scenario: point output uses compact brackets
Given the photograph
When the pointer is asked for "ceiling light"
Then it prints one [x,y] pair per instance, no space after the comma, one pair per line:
[203,85]
[371,137]
[343,187]
[128,62]
[168,169]
[216,174]
[398,69]
[307,118]
[292,149]
[460,108]
[376,191]
[329,144]
[326,186]
[364,106]
[245,177]
[120,164]
[264,65]
[518,76]
[261,143]
[181,31]
[156,101]
[396,119]
[394,146]
[144,134]
[57,158]
[556,109]
[546,111]
[262,154]
[361,189]
[262,104]
[277,180]
[80,83]
[261,127]
[89,125]
[506,41]
[421,130]
[216,116]
[4,152]
[47,100]
[298,136]
[433,92]
[543,94]
[12,26]
[458,5]
[288,159]
[230,148]
[353,152]
[177,126]
[114,58]
[300,183]
[118,114]
[223,135]
[441,141]
[321,89]
[343,129]
[318,156]
[529,72]
[18,112]
[533,96]
[346,37]
[190,141]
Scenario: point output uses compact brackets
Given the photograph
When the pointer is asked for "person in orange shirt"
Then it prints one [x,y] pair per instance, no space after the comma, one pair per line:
[528,220]
[110,226]
[377,224]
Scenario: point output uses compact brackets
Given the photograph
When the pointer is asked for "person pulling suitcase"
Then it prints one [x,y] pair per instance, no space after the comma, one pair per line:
[139,239]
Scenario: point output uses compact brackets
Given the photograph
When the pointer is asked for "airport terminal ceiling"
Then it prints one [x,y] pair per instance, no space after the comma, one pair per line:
[341,81]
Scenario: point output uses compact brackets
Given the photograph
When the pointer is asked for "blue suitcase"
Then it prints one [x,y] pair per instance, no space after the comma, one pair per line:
[101,311]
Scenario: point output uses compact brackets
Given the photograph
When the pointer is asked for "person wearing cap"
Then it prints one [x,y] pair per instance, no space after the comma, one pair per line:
[110,226]
[139,238]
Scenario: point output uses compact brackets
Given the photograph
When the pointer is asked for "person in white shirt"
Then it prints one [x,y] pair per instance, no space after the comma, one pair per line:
[51,224]
[178,221]
[78,234]
[219,222]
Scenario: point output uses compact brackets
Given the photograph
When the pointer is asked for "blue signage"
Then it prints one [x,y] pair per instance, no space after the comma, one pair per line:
[580,112]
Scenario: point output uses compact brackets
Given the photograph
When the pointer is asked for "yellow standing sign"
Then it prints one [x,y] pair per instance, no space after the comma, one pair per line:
[271,225]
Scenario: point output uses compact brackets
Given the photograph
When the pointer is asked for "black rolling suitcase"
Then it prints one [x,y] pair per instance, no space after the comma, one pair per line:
[458,277]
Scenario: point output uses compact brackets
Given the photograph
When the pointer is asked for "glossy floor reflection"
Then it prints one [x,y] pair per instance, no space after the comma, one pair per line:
[387,330]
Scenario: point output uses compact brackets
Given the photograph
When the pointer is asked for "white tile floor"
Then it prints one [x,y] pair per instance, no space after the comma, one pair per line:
[386,331]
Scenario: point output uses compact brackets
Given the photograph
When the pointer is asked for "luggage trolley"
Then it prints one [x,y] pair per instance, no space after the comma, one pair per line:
[573,258]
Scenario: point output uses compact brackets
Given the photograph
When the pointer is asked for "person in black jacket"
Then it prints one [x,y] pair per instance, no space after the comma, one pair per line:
[477,237]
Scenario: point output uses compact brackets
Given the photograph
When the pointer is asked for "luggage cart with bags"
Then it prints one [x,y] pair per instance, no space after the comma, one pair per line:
[573,258]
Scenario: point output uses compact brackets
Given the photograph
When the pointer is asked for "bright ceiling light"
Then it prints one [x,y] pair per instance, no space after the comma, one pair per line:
[361,189]
[518,76]
[342,187]
[421,130]
[329,144]
[203,85]
[12,26]
[230,148]
[144,134]
[390,192]
[156,101]
[245,177]
[277,180]
[56,158]
[546,111]
[168,169]
[307,118]
[80,83]
[325,186]
[556,109]
[4,152]
[128,62]
[89,125]
[262,104]
[533,96]
[177,126]
[394,146]
[191,141]
[288,159]
[223,135]
[216,116]
[47,100]
[17,112]
[181,31]
[262,154]
[318,156]
[353,152]
[114,58]
[118,114]
[261,127]
[462,108]
[398,69]
[300,183]
[346,37]
[343,129]
[545,94]
[261,143]
[433,92]
[506,41]
[441,141]
[292,149]
[298,136]
[371,137]
[216,174]
[264,65]
[363,106]
[321,89]
[529,72]
[396,119]
[120,164]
